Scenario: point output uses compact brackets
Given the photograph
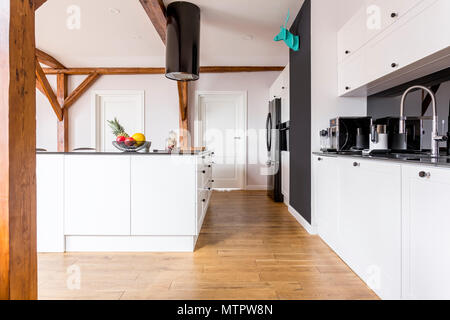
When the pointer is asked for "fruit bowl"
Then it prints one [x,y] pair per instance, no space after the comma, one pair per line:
[135,148]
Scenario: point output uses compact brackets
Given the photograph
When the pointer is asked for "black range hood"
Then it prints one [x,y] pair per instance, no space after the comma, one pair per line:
[183,41]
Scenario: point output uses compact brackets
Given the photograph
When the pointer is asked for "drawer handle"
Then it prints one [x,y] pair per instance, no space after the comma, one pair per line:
[347,51]
[203,171]
[394,15]
[424,174]
[347,88]
[394,65]
[209,166]
[212,181]
[356,164]
[203,200]
[319,159]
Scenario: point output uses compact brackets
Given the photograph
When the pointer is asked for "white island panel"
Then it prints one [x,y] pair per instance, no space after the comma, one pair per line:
[97,195]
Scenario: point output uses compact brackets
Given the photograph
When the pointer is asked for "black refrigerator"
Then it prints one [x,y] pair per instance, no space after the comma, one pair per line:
[273,142]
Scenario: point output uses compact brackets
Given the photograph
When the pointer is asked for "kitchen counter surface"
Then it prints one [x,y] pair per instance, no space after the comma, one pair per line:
[416,159]
[152,153]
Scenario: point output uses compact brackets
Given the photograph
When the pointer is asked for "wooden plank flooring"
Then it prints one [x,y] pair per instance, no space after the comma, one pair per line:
[249,248]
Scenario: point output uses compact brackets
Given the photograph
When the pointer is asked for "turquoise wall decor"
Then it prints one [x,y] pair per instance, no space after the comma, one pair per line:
[292,41]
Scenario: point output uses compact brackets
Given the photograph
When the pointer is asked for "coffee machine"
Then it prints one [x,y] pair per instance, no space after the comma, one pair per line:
[414,133]
[349,134]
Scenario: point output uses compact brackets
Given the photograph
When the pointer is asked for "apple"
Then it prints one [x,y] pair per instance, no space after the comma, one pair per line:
[120,139]
[130,141]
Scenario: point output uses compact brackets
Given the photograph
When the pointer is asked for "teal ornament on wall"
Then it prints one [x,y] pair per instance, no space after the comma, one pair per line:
[292,41]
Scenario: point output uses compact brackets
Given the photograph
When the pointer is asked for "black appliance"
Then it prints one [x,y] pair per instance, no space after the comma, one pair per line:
[414,133]
[284,136]
[448,129]
[349,133]
[273,143]
[183,41]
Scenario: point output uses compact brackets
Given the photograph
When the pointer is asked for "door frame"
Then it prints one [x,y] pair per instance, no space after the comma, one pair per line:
[197,118]
[96,112]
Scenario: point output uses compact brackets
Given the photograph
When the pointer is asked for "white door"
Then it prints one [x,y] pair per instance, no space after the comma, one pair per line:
[126,106]
[222,129]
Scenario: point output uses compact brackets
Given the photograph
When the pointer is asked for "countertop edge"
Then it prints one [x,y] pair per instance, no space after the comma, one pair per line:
[380,158]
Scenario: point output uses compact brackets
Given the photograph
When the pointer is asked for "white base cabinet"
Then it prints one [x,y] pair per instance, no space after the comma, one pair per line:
[426,233]
[389,222]
[370,223]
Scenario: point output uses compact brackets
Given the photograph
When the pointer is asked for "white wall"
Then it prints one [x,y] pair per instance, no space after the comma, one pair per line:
[257,86]
[161,107]
[327,17]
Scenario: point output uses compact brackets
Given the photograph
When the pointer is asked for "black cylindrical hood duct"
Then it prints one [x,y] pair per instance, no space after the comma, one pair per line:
[183,41]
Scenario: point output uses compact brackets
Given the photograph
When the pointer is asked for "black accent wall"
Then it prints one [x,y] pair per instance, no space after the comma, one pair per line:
[300,115]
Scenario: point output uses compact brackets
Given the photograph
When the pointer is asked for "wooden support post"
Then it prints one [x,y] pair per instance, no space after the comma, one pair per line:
[63,126]
[18,259]
[45,85]
[184,122]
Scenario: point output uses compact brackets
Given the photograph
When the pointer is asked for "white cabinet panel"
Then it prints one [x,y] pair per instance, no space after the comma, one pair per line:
[285,175]
[426,236]
[326,200]
[352,75]
[50,203]
[97,195]
[163,195]
[370,223]
[353,35]
[285,98]
[415,38]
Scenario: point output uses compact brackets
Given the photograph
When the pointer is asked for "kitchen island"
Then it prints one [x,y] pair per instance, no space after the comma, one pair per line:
[147,202]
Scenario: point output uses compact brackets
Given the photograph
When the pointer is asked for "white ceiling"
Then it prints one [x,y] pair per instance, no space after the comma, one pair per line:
[128,39]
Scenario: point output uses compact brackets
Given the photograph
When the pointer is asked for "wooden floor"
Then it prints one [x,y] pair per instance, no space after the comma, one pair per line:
[249,248]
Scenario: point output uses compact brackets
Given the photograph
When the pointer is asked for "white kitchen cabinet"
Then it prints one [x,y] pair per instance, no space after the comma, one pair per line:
[416,38]
[156,207]
[280,89]
[50,202]
[352,35]
[370,223]
[426,236]
[97,195]
[326,199]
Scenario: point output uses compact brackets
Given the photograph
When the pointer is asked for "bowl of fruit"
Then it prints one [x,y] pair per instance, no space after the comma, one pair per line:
[124,142]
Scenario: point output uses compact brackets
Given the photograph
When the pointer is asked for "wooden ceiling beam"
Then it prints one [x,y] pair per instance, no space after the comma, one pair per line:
[76,94]
[48,60]
[48,91]
[38,3]
[131,71]
[184,123]
[156,11]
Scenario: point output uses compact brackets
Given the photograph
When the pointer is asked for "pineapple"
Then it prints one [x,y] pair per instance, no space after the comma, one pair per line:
[117,128]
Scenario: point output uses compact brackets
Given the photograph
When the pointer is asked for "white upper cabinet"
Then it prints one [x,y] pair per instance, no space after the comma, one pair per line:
[280,89]
[426,236]
[397,37]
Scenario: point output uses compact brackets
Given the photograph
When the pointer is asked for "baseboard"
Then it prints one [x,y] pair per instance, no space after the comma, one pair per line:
[305,224]
[255,187]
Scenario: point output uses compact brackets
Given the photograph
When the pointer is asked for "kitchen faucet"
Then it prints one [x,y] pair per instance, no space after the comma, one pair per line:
[435,137]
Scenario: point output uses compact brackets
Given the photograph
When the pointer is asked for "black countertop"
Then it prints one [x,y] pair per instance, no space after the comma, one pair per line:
[413,159]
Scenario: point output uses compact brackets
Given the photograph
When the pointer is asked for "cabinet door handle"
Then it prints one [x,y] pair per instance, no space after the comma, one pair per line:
[424,174]
[394,65]
[394,15]
[347,88]
[212,181]
[204,171]
[203,200]
[356,164]
[319,159]
[347,51]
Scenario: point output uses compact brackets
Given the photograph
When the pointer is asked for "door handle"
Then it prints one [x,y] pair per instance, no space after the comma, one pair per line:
[237,138]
